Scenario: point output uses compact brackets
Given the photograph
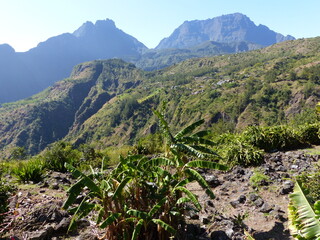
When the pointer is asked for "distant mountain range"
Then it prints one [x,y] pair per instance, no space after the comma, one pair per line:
[110,102]
[26,73]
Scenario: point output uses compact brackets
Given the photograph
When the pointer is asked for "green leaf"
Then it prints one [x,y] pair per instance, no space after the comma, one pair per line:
[74,191]
[137,229]
[206,164]
[201,133]
[164,126]
[310,225]
[189,129]
[119,189]
[187,150]
[183,200]
[164,225]
[86,180]
[113,217]
[197,176]
[137,213]
[190,195]
[156,207]
[206,150]
[196,140]
[183,182]
[161,161]
[82,211]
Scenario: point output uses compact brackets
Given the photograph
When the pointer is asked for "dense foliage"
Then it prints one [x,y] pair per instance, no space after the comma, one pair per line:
[145,198]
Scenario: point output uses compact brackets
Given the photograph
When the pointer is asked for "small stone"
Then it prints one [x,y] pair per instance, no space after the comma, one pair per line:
[287,187]
[234,204]
[259,202]
[266,208]
[253,197]
[55,186]
[212,181]
[210,203]
[242,199]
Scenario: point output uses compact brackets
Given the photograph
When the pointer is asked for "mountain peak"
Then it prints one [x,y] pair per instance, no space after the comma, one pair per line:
[235,27]
[88,27]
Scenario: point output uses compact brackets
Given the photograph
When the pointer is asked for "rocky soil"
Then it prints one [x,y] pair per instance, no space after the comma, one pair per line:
[239,207]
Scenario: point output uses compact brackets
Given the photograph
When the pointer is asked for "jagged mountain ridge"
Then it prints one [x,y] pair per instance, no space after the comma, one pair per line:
[110,102]
[26,73]
[30,72]
[226,28]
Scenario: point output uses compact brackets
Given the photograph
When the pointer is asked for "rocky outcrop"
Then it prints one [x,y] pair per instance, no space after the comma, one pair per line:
[227,28]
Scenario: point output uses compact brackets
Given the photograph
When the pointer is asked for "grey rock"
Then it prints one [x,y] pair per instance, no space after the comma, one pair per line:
[234,204]
[62,227]
[259,202]
[55,186]
[242,199]
[212,181]
[287,187]
[253,197]
[266,208]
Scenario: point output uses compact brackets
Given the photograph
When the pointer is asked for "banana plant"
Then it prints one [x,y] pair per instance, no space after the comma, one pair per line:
[303,216]
[145,198]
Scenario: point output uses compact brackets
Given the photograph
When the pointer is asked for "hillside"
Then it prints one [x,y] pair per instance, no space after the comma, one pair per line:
[109,102]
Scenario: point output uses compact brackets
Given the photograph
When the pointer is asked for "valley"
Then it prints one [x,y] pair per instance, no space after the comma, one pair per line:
[211,137]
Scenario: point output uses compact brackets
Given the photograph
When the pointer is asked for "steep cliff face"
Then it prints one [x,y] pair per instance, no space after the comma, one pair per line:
[227,28]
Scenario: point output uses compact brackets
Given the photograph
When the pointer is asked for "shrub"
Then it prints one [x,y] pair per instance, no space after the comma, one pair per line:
[258,178]
[239,152]
[309,133]
[60,153]
[273,138]
[31,170]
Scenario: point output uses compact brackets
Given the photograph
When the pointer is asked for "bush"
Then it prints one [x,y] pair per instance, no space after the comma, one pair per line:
[239,152]
[309,133]
[31,170]
[60,153]
[273,138]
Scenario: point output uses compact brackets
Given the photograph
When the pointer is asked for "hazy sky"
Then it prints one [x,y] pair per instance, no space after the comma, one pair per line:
[25,23]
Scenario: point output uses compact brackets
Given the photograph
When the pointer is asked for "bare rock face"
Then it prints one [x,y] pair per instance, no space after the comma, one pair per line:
[227,28]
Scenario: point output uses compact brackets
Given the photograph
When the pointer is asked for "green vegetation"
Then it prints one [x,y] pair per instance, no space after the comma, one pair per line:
[108,103]
[258,178]
[303,215]
[31,170]
[145,198]
[58,154]
[6,190]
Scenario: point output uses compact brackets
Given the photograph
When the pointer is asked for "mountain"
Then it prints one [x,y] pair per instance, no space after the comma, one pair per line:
[227,28]
[24,74]
[110,102]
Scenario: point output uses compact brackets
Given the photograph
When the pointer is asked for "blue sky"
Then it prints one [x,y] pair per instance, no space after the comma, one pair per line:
[25,23]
